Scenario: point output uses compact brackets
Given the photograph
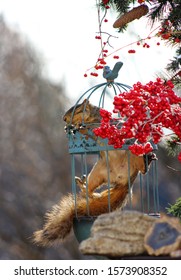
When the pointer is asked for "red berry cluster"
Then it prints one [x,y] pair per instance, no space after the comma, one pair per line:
[144,112]
[145,45]
[141,149]
[166,32]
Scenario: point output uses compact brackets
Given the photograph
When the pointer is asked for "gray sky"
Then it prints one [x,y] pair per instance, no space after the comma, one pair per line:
[66,38]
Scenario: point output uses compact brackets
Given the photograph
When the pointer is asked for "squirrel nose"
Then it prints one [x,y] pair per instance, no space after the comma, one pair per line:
[64,118]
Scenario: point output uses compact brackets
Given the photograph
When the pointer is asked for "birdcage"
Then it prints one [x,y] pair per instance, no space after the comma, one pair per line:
[94,161]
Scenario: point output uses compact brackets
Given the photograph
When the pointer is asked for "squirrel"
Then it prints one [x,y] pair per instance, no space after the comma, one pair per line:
[59,220]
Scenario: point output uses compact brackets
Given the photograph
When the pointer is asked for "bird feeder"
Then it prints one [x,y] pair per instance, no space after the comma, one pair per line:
[85,150]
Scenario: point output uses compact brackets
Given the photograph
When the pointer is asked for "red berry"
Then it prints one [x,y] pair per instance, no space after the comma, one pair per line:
[94,74]
[179,157]
[166,36]
[105,2]
[131,51]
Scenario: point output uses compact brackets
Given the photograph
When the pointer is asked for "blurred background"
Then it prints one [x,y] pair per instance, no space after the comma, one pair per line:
[34,160]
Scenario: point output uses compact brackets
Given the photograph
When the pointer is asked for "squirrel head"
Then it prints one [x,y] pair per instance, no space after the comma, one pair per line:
[81,114]
[77,114]
[143,163]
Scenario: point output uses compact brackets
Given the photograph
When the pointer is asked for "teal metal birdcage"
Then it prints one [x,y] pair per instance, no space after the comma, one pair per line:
[85,149]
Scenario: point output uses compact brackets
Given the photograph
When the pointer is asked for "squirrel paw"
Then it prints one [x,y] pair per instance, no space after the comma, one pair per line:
[96,195]
[80,184]
[79,181]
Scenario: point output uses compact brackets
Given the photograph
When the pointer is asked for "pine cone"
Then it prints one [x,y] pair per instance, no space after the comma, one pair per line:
[133,14]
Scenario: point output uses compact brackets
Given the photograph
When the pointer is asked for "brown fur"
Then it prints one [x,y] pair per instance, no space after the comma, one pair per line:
[82,113]
[59,221]
[117,159]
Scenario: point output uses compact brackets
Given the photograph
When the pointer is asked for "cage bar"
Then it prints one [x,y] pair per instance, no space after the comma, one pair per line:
[83,146]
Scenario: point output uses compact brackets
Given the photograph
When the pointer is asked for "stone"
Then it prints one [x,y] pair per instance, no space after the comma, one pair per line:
[120,233]
[163,237]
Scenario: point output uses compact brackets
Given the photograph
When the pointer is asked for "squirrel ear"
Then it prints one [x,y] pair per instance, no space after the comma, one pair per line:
[85,101]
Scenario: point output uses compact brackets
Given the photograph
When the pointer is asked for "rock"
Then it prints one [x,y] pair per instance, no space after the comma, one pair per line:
[120,233]
[176,254]
[163,237]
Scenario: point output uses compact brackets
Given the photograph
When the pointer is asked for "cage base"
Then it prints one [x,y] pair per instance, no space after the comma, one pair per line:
[82,227]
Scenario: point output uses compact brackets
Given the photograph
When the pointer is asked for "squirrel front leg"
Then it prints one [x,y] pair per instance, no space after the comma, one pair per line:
[94,180]
[82,185]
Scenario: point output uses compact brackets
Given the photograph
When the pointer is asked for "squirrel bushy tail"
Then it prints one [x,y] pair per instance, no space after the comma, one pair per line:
[59,220]
[58,223]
